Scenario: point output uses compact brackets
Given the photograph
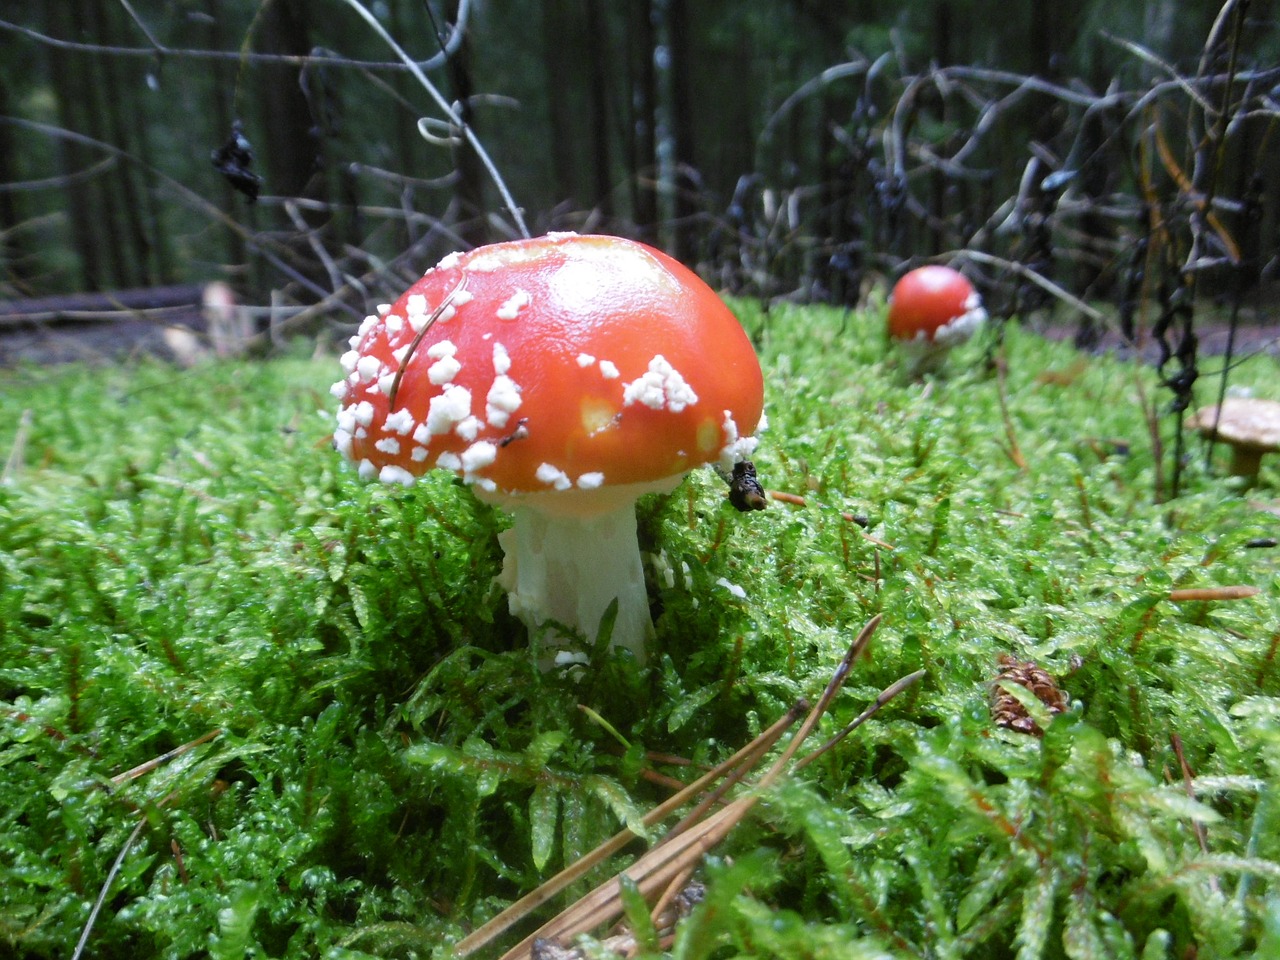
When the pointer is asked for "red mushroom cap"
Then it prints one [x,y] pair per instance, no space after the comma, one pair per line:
[544,364]
[935,304]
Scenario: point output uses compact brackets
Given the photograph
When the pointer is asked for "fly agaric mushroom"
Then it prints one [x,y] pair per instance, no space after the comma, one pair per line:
[561,377]
[1250,426]
[931,309]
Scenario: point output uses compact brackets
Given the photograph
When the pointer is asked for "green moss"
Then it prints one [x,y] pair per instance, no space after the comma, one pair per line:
[381,767]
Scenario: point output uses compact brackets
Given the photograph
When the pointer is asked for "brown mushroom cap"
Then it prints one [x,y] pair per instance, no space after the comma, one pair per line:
[1251,426]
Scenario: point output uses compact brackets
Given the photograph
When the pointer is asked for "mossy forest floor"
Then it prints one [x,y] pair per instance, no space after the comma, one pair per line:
[252,706]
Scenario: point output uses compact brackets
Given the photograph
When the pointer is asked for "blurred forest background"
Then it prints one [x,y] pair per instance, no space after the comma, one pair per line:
[1102,155]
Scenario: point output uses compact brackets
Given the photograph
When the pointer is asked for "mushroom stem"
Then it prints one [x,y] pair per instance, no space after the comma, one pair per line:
[565,570]
[1245,461]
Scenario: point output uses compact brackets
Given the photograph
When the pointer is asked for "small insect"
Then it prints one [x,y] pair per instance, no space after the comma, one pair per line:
[233,160]
[745,490]
[519,433]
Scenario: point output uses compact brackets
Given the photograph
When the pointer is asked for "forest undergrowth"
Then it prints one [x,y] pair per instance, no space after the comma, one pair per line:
[253,706]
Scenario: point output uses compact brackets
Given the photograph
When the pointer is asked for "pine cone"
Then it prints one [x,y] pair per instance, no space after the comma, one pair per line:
[1005,708]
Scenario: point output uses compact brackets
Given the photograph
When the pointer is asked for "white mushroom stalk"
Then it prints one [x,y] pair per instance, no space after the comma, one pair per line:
[566,561]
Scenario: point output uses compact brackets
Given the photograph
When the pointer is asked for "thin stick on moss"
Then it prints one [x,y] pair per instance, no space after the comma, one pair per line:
[106,886]
[885,695]
[678,852]
[1188,786]
[144,768]
[1157,443]
[750,753]
[1014,451]
[1213,593]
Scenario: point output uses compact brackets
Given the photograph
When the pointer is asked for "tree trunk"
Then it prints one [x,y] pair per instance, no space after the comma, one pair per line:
[121,86]
[469,191]
[557,29]
[684,180]
[409,148]
[598,99]
[291,150]
[14,268]
[224,79]
[641,133]
[291,141]
[83,211]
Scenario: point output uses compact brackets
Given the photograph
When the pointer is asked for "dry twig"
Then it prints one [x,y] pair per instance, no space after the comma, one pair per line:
[662,874]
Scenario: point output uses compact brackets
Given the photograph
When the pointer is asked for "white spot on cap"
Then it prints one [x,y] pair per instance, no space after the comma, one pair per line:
[449,461]
[469,428]
[388,445]
[443,370]
[395,323]
[401,421]
[553,476]
[366,325]
[349,361]
[421,435]
[609,370]
[418,454]
[367,470]
[591,481]
[513,304]
[339,390]
[382,309]
[660,388]
[502,400]
[585,360]
[415,306]
[442,348]
[363,413]
[461,298]
[385,383]
[448,409]
[961,328]
[368,367]
[449,261]
[501,359]
[393,474]
[484,264]
[342,442]
[736,448]
[478,456]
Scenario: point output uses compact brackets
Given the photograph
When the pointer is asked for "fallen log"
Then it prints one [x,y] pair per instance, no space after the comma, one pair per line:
[107,306]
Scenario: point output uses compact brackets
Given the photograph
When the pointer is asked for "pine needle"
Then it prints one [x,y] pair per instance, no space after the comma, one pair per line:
[662,871]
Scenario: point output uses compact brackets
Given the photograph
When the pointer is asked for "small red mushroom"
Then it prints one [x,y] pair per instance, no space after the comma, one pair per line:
[561,377]
[931,309]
